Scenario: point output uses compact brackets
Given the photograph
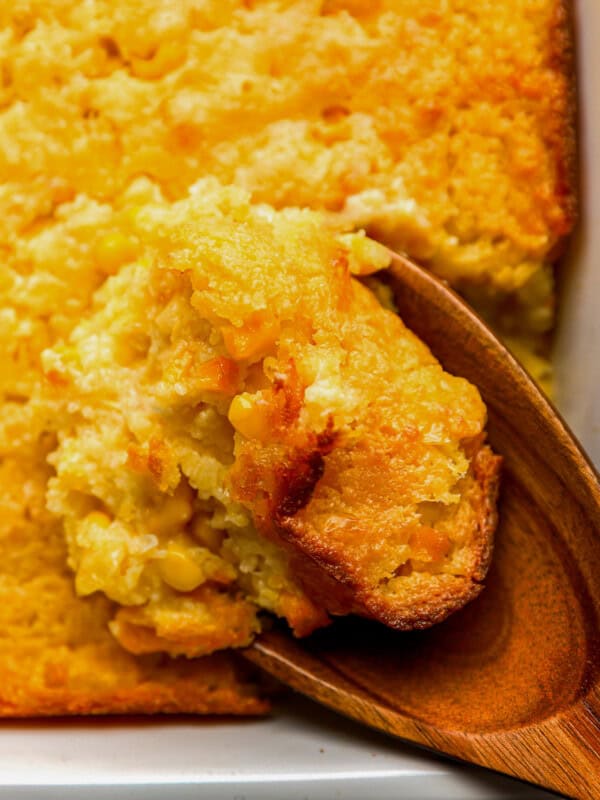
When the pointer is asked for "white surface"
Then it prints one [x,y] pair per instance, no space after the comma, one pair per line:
[304,752]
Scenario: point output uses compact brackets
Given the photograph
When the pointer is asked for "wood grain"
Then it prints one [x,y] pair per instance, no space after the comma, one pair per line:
[511,682]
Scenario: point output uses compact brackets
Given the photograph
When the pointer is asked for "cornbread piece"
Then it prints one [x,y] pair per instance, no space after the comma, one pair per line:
[56,653]
[443,128]
[242,426]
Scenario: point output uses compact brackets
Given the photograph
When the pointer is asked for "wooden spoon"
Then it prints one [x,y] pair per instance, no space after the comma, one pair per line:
[511,682]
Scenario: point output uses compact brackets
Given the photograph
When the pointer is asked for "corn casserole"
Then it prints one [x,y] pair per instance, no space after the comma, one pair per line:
[204,416]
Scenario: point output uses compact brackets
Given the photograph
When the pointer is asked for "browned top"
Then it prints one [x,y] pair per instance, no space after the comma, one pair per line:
[353,109]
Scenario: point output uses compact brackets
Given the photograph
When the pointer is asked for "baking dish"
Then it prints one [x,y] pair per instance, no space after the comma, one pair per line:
[302,751]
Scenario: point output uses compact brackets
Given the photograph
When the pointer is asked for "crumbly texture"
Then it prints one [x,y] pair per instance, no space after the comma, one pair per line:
[242,427]
[57,655]
[443,128]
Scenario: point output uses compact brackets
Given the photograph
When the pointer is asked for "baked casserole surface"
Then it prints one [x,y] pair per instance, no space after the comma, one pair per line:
[205,416]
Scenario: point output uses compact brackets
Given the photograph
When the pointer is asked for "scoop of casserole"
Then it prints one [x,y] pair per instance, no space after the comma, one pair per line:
[243,426]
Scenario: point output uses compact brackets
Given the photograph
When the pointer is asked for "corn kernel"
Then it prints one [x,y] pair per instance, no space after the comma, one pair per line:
[250,417]
[218,375]
[254,339]
[113,250]
[99,519]
[179,570]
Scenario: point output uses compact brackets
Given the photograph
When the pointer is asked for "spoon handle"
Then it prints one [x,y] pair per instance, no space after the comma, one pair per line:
[563,753]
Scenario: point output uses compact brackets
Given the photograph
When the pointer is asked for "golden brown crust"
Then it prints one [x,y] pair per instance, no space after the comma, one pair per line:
[320,146]
[216,685]
[57,655]
[233,624]
[366,466]
[325,575]
[434,608]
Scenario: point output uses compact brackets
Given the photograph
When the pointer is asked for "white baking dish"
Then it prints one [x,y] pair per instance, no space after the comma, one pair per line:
[303,752]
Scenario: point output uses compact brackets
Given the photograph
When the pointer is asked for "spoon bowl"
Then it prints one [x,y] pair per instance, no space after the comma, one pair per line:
[511,682]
